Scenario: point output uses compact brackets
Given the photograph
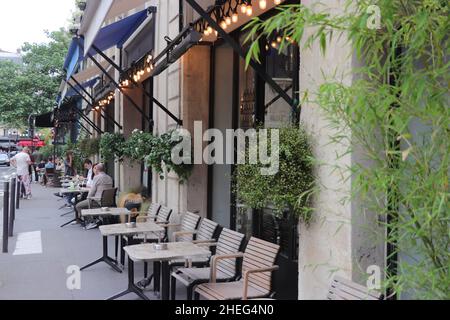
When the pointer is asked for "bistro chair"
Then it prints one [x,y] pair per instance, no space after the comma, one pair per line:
[188,227]
[343,289]
[206,234]
[256,281]
[229,243]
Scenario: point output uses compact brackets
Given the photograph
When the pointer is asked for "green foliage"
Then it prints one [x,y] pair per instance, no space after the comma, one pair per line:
[138,145]
[160,156]
[398,113]
[31,88]
[290,187]
[112,146]
[89,146]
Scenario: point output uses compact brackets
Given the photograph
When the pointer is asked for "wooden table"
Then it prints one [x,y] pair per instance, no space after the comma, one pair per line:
[73,191]
[147,253]
[98,212]
[121,230]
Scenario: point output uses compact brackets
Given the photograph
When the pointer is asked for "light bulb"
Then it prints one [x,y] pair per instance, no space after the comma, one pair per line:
[148,69]
[249,11]
[206,33]
[149,58]
[273,44]
[223,25]
[210,29]
[244,8]
[279,39]
[228,20]
[235,17]
[262,4]
[142,72]
[277,1]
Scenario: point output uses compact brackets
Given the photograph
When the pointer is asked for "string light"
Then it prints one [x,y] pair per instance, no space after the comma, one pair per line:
[277,1]
[262,4]
[235,17]
[244,8]
[249,10]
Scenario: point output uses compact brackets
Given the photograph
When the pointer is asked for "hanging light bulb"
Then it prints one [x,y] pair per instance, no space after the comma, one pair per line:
[223,24]
[273,44]
[210,29]
[235,17]
[277,1]
[206,33]
[228,20]
[279,39]
[149,58]
[249,10]
[244,8]
[262,4]
[149,69]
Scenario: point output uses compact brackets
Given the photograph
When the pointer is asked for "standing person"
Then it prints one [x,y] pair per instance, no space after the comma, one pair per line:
[69,165]
[22,161]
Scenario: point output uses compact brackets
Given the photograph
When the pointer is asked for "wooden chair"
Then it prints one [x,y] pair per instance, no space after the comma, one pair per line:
[188,227]
[256,281]
[206,234]
[229,243]
[343,289]
[163,219]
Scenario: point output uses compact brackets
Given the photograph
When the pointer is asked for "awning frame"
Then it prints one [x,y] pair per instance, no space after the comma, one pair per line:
[90,104]
[238,49]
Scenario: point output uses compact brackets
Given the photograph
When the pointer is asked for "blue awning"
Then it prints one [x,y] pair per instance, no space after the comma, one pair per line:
[74,56]
[117,33]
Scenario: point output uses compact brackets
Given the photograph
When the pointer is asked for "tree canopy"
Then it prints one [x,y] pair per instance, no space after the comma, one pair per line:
[31,88]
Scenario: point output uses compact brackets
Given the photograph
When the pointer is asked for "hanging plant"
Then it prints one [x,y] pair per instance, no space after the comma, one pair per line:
[112,146]
[138,145]
[290,187]
[160,157]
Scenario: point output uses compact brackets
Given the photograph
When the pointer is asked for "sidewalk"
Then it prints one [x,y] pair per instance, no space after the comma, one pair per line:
[42,276]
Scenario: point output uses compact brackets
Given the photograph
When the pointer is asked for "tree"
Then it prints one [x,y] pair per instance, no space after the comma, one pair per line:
[32,88]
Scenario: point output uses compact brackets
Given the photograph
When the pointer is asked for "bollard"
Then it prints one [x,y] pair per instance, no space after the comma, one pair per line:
[5,216]
[18,192]
[12,207]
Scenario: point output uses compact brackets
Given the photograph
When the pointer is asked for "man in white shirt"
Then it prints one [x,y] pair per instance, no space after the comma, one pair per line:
[22,161]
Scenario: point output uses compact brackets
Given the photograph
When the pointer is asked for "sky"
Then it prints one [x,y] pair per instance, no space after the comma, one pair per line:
[25,20]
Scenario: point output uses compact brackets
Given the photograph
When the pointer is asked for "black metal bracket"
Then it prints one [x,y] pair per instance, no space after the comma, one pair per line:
[118,87]
[237,48]
[118,68]
[105,116]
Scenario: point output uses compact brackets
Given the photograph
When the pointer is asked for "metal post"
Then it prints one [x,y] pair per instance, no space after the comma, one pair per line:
[12,208]
[5,216]
[18,182]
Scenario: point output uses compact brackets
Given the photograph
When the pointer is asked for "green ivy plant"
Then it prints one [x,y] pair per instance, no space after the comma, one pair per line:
[398,113]
[112,146]
[290,188]
[160,157]
[138,145]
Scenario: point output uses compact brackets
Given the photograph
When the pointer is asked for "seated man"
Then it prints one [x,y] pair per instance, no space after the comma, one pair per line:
[101,182]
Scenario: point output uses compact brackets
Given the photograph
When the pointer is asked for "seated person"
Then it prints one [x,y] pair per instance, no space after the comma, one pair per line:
[101,182]
[50,164]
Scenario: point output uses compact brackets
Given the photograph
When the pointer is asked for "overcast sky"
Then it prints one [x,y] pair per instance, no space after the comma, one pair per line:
[25,20]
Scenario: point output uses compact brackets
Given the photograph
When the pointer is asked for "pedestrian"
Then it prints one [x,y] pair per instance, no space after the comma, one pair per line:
[69,164]
[22,161]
